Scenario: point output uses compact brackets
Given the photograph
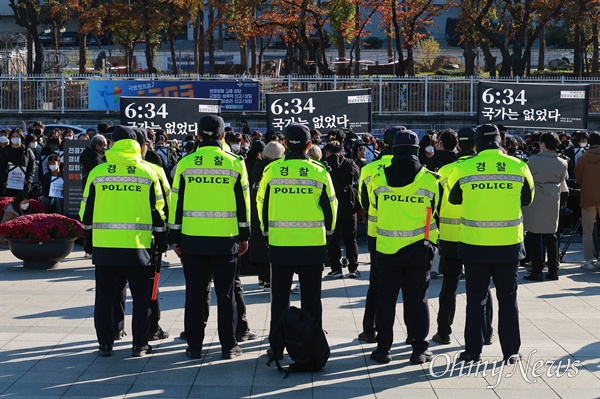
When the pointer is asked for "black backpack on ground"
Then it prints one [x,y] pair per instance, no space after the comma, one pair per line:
[299,333]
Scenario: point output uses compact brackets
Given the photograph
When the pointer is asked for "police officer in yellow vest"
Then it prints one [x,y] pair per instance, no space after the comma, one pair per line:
[296,206]
[450,264]
[366,175]
[491,187]
[154,331]
[209,220]
[403,199]
[122,210]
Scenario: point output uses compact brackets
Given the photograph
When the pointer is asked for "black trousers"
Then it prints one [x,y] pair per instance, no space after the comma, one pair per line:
[409,271]
[451,268]
[478,283]
[119,308]
[238,292]
[310,277]
[539,245]
[198,270]
[108,289]
[373,294]
[264,271]
[346,229]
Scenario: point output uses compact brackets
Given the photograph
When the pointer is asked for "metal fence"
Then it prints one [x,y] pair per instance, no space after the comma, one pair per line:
[419,95]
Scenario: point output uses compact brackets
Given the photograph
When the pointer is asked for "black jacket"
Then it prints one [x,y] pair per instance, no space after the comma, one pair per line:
[258,246]
[440,158]
[21,156]
[344,175]
[89,159]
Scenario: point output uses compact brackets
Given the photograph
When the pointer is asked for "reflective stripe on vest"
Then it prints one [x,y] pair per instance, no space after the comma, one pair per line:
[209,214]
[122,179]
[244,224]
[425,193]
[449,220]
[404,233]
[175,190]
[491,223]
[210,171]
[296,182]
[299,224]
[475,178]
[175,226]
[372,218]
[121,226]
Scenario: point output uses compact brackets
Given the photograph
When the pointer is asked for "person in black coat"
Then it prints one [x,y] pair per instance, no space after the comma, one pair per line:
[444,152]
[344,175]
[258,248]
[17,165]
[92,156]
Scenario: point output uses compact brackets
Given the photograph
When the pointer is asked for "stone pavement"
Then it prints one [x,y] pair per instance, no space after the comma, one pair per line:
[49,348]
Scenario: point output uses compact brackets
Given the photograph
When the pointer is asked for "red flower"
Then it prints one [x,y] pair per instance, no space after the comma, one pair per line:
[41,227]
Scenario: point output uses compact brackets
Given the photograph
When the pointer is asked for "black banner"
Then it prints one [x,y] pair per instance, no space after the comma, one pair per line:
[532,105]
[178,117]
[322,110]
[73,187]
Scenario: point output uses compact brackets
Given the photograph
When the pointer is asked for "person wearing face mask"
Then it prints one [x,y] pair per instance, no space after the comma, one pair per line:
[18,207]
[52,186]
[32,142]
[17,165]
[580,141]
[235,143]
[53,146]
[4,140]
[68,135]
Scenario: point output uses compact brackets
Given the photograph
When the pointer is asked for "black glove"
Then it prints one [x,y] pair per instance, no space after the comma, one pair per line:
[87,246]
[162,246]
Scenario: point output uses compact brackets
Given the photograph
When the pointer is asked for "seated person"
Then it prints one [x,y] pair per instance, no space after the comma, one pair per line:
[18,207]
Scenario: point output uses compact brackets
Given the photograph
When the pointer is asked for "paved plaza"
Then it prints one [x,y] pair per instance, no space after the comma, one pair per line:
[49,347]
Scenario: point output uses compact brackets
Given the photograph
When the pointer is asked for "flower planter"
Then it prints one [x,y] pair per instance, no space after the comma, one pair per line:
[41,255]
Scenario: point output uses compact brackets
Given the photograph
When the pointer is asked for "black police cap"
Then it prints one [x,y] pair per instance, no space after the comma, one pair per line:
[388,135]
[123,132]
[466,134]
[406,138]
[296,133]
[211,125]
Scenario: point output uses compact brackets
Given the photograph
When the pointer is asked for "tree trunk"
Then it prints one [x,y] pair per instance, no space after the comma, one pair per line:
[148,37]
[244,54]
[596,46]
[542,52]
[401,67]
[490,60]
[29,66]
[173,54]
[470,56]
[341,44]
[82,53]
[211,40]
[201,40]
[388,42]
[357,28]
[196,57]
[410,62]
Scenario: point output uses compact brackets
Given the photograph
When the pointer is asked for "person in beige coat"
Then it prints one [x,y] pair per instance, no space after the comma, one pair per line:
[587,174]
[540,219]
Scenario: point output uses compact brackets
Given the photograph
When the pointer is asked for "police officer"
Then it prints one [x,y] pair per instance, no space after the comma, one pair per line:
[209,223]
[121,210]
[366,175]
[296,206]
[491,187]
[403,199]
[450,264]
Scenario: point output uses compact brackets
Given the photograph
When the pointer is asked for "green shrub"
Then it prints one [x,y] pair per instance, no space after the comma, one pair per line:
[373,42]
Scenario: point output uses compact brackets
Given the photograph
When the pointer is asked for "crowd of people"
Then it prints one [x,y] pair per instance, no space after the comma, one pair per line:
[476,203]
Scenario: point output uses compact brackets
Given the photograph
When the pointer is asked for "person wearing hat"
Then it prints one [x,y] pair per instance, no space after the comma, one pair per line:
[366,175]
[296,206]
[491,187]
[450,264]
[209,223]
[403,198]
[122,210]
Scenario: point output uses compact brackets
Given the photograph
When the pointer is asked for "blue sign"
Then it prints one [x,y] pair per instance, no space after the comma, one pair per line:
[235,95]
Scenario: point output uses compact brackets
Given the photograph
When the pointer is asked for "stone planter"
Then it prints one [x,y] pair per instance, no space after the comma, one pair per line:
[41,255]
